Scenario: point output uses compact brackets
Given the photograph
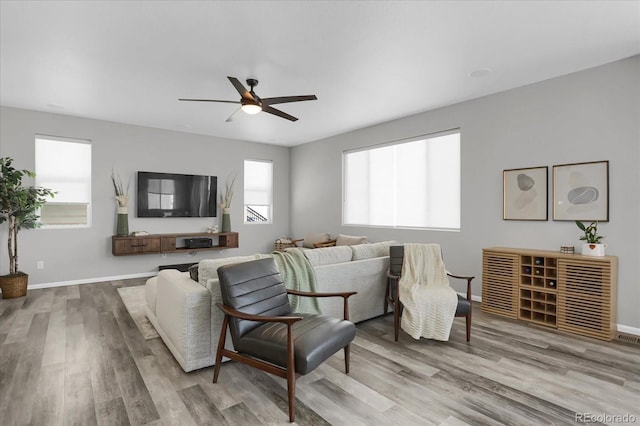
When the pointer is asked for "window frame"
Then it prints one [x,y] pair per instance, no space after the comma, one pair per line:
[40,136]
[395,143]
[269,206]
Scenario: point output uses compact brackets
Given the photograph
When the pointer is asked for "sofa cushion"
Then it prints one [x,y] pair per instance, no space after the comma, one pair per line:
[368,251]
[208,268]
[329,255]
[315,237]
[349,240]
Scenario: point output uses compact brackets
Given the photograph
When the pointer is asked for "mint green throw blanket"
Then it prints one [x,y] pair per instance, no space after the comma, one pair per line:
[298,274]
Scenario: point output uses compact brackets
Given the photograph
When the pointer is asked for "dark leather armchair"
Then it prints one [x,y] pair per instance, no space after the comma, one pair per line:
[396,257]
[266,333]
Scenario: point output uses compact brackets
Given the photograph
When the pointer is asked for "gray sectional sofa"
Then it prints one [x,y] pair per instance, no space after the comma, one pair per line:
[185,315]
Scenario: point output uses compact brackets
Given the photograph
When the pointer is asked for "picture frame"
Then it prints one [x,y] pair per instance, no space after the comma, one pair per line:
[525,193]
[581,191]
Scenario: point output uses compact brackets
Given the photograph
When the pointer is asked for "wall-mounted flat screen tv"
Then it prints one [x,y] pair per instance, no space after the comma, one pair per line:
[176,195]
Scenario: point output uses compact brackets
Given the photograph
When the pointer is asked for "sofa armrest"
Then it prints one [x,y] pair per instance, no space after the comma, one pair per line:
[183,311]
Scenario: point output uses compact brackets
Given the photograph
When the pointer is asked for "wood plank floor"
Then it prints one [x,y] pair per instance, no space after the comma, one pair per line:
[73,355]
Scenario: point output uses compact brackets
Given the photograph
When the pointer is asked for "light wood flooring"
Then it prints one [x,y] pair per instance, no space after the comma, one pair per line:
[73,356]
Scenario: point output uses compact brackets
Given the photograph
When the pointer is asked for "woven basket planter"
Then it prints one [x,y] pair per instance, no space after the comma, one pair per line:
[14,285]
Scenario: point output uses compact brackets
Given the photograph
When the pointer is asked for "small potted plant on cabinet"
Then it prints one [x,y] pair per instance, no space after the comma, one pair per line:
[18,207]
[592,245]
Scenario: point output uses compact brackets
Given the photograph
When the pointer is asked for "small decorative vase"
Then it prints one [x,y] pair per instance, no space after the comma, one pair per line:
[226,220]
[589,249]
[122,224]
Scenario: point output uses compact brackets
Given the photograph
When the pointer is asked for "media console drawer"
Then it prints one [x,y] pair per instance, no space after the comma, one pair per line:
[167,243]
[135,245]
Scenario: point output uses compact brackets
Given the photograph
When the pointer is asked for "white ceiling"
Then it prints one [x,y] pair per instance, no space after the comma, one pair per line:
[368,62]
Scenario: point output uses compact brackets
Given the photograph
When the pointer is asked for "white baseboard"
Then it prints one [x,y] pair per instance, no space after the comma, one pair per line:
[91,280]
[629,330]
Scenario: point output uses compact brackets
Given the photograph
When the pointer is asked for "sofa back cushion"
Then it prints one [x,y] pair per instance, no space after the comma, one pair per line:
[349,240]
[368,251]
[329,255]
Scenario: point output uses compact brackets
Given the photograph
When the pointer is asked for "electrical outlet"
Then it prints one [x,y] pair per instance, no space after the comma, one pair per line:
[40,264]
[164,255]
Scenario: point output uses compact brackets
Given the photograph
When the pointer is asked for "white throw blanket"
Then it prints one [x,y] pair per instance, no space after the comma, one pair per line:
[429,302]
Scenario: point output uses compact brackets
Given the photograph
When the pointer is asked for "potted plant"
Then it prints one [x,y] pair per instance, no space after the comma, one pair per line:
[592,245]
[18,207]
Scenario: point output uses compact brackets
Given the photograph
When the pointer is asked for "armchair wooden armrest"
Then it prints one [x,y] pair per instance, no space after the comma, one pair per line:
[462,277]
[289,320]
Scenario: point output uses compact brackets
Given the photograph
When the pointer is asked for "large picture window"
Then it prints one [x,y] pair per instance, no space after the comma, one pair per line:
[406,184]
[258,191]
[64,166]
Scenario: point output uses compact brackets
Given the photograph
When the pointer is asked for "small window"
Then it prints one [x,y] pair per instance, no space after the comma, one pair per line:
[64,166]
[258,191]
[408,184]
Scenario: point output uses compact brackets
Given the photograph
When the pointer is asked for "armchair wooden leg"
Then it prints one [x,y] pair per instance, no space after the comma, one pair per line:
[346,358]
[221,340]
[291,393]
[397,311]
[386,298]
[291,375]
[396,322]
[468,326]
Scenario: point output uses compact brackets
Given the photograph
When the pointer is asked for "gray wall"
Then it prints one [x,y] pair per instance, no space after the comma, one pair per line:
[85,254]
[587,116]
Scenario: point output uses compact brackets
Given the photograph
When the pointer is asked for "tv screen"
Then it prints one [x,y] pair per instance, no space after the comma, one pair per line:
[176,195]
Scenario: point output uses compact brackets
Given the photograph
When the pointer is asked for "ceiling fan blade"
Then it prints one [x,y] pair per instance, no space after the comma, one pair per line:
[231,116]
[240,88]
[270,110]
[209,100]
[285,99]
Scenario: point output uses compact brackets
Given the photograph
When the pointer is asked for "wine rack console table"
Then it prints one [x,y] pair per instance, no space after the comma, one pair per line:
[168,243]
[570,292]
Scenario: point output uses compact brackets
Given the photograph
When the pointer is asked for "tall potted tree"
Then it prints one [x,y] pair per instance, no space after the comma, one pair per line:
[18,207]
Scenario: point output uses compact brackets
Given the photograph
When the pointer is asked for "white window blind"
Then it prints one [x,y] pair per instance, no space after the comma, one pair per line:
[64,166]
[408,184]
[258,191]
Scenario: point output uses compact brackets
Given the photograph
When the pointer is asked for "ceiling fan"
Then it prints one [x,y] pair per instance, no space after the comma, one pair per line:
[253,104]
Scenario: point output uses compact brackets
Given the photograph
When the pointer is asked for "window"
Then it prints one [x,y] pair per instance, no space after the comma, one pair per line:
[408,184]
[258,191]
[64,166]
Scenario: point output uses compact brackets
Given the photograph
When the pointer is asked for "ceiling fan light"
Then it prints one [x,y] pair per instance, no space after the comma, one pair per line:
[251,108]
